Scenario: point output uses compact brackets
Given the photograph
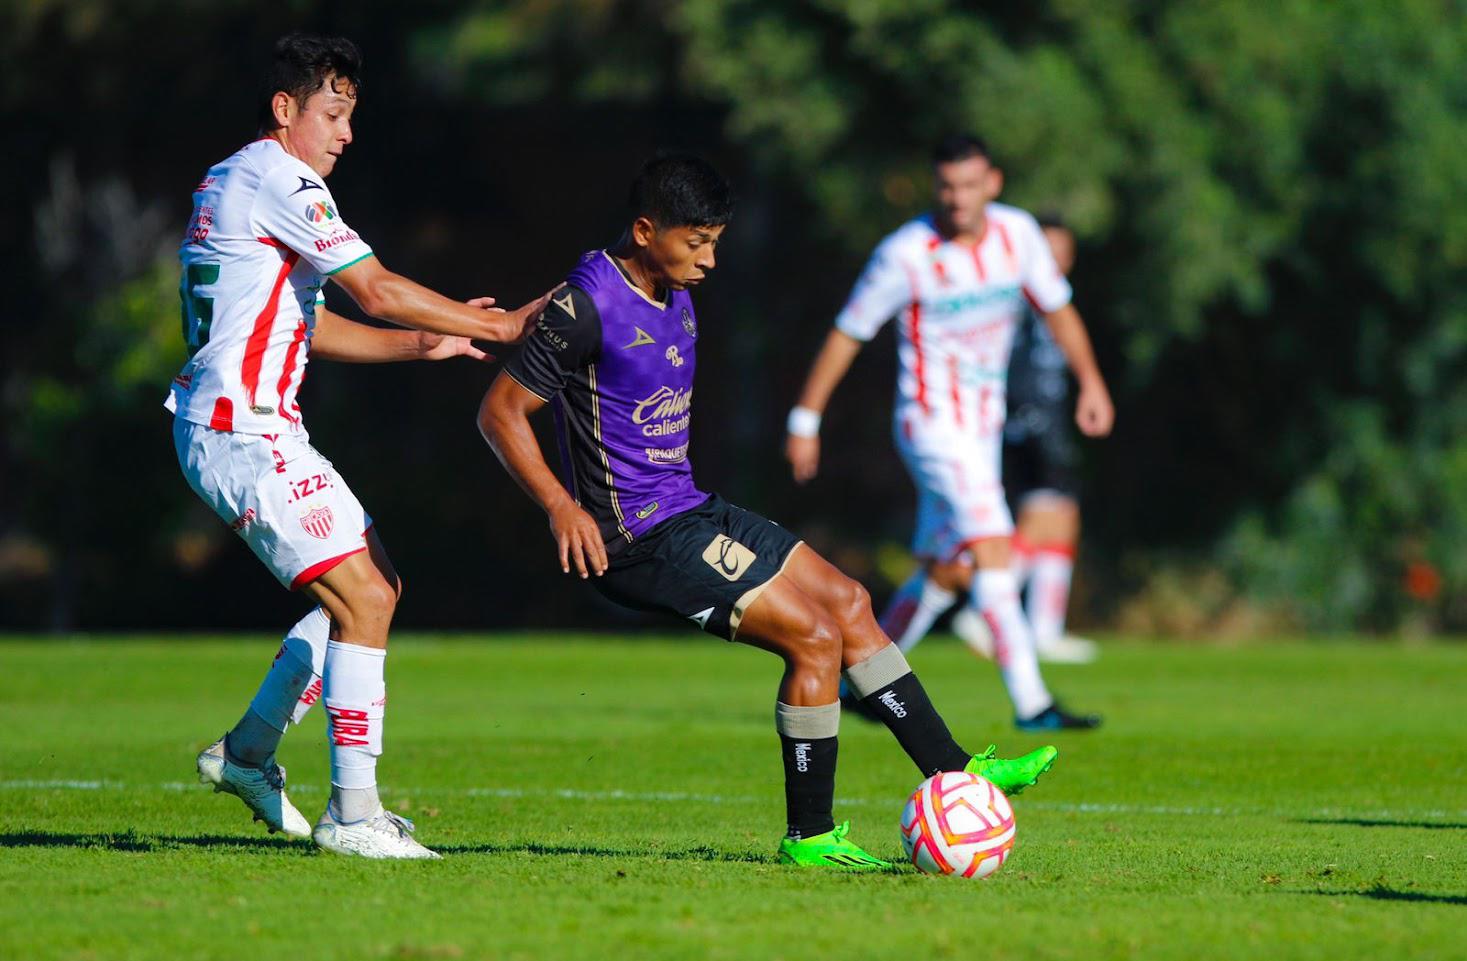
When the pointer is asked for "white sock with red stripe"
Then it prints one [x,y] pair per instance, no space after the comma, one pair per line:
[917,604]
[1049,592]
[995,598]
[1021,560]
[291,686]
[356,698]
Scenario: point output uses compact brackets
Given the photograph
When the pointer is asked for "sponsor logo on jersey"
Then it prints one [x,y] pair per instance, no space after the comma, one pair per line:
[642,338]
[647,511]
[1003,296]
[205,184]
[688,324]
[318,522]
[336,240]
[665,412]
[243,521]
[566,304]
[666,455]
[802,756]
[728,557]
[549,336]
[673,357]
[320,212]
[261,409]
[897,708]
[305,185]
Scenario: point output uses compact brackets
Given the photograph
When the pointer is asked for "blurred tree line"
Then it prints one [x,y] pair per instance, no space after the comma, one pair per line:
[1270,200]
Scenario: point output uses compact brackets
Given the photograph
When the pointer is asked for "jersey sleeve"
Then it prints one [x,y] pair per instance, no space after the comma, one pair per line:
[566,338]
[1045,287]
[299,212]
[883,288]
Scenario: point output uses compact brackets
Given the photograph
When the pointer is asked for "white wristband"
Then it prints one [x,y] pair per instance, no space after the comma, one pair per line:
[804,422]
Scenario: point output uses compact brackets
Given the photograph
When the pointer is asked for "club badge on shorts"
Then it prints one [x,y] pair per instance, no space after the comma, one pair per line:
[728,557]
[318,522]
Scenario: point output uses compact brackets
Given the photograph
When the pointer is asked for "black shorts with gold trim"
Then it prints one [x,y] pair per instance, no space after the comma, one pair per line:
[707,565]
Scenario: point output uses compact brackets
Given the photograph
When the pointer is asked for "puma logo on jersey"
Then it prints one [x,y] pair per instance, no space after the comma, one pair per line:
[642,338]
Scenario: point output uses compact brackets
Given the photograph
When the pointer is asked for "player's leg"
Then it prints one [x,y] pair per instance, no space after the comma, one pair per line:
[932,588]
[878,672]
[1050,520]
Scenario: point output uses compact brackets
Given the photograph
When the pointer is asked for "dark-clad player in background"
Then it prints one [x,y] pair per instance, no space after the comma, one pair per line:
[614,354]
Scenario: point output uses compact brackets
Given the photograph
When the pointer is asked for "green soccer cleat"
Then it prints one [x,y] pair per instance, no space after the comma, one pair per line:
[830,850]
[1012,776]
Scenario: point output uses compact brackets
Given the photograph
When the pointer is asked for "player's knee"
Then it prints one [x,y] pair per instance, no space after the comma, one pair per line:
[373,601]
[850,602]
[818,651]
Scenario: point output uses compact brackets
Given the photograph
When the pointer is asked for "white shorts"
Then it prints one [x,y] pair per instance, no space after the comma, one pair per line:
[279,494]
[959,480]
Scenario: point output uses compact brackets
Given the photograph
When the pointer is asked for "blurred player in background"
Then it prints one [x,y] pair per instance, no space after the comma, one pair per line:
[614,354]
[1039,467]
[264,236]
[961,278]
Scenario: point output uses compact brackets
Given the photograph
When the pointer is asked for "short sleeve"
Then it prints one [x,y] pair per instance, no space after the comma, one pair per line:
[883,288]
[566,338]
[1044,286]
[298,211]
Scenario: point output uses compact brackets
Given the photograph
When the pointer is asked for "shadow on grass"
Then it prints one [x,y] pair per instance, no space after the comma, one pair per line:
[133,841]
[1382,893]
[1375,823]
[590,850]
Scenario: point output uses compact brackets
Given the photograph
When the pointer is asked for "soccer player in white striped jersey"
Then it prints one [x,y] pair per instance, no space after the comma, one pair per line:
[959,278]
[264,236]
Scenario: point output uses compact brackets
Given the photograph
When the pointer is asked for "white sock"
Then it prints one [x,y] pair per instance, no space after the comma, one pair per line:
[1049,594]
[1021,561]
[291,686]
[995,598]
[356,699]
[917,604]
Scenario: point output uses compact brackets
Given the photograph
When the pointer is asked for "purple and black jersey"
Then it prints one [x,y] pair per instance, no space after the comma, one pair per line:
[617,367]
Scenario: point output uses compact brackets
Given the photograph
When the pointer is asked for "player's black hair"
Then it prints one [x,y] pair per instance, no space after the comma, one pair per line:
[1051,220]
[301,63]
[959,146]
[681,190]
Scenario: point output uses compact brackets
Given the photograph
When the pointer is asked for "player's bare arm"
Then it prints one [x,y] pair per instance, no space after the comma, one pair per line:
[504,420]
[396,299]
[802,445]
[1094,412]
[346,341]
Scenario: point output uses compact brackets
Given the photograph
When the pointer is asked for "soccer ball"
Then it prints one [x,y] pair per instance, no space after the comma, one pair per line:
[958,824]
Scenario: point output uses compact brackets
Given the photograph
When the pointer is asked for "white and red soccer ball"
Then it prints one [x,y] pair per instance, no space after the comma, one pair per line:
[958,824]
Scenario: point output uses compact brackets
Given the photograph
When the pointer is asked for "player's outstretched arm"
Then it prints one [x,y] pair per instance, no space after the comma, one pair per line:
[504,420]
[1094,412]
[802,445]
[398,300]
[337,338]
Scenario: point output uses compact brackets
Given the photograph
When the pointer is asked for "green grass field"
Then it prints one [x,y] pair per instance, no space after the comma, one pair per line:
[618,798]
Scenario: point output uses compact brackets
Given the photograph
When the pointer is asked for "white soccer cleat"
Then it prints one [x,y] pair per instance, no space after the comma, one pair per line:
[262,789]
[384,836]
[1068,649]
[971,630]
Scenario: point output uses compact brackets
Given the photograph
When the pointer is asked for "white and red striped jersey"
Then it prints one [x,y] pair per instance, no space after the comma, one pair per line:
[264,235]
[959,306]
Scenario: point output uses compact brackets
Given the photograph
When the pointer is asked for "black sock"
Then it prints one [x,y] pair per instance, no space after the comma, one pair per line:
[809,784]
[905,708]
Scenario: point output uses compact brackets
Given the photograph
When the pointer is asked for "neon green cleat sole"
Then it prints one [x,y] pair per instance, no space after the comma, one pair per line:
[830,850]
[1012,776]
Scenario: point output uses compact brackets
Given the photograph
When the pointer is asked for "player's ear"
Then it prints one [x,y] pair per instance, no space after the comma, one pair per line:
[643,230]
[282,105]
[995,181]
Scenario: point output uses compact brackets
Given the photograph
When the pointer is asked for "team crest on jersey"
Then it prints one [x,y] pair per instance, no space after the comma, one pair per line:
[688,324]
[320,212]
[318,522]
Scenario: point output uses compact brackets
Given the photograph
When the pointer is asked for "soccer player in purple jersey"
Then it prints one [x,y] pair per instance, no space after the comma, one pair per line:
[614,354]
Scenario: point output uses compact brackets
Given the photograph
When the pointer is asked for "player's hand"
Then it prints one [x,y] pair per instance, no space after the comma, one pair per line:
[522,321]
[442,347]
[1095,415]
[803,453]
[578,539]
